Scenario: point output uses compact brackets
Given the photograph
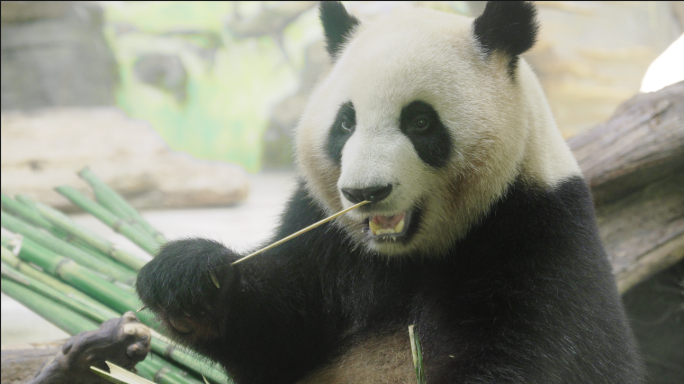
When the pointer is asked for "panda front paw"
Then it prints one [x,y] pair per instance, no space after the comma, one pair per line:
[188,283]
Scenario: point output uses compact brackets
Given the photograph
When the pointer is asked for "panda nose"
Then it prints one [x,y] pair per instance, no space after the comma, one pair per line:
[373,194]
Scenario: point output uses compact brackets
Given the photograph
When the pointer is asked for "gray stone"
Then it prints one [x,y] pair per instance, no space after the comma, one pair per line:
[54,54]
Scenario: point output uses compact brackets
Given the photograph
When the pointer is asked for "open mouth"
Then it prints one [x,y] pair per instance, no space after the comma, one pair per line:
[382,227]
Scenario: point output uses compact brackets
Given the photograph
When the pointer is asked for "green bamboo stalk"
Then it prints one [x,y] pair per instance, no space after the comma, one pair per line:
[32,205]
[9,258]
[188,360]
[142,239]
[65,319]
[87,306]
[29,215]
[27,201]
[66,229]
[417,355]
[82,278]
[56,296]
[96,262]
[70,321]
[64,223]
[164,372]
[111,200]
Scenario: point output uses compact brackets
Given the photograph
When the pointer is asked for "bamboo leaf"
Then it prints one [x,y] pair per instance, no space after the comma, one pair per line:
[119,375]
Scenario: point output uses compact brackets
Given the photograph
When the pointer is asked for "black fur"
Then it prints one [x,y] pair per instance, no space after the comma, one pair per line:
[527,297]
[432,142]
[339,135]
[509,27]
[337,25]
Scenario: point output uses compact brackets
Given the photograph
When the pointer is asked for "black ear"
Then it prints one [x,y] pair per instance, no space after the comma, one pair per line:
[509,27]
[337,25]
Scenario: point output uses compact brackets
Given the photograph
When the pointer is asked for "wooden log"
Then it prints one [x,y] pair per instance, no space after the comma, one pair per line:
[634,164]
[124,341]
[644,232]
[642,142]
[21,362]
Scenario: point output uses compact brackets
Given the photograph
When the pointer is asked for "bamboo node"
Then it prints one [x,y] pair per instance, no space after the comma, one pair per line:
[64,261]
[116,226]
[169,350]
[160,374]
[111,250]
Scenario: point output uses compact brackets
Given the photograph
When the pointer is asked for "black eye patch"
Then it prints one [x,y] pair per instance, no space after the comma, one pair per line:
[430,138]
[341,131]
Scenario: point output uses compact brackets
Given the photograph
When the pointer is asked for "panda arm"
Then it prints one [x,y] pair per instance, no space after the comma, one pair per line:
[270,307]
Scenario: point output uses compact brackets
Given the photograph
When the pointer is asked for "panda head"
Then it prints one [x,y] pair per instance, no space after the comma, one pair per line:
[430,116]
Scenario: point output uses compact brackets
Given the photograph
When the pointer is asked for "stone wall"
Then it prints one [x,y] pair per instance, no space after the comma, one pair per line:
[54,54]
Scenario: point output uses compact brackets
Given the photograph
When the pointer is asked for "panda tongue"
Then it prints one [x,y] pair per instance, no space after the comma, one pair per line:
[388,221]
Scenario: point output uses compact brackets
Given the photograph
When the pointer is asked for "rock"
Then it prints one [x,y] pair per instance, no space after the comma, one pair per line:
[55,54]
[278,138]
[46,148]
[591,56]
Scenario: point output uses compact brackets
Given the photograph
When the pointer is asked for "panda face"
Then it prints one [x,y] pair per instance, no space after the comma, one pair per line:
[417,117]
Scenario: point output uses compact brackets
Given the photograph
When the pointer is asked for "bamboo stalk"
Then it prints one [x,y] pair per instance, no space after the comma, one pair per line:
[29,215]
[111,200]
[142,239]
[83,279]
[56,296]
[181,356]
[81,303]
[55,230]
[73,323]
[167,373]
[93,261]
[85,305]
[64,223]
[65,319]
[301,232]
[26,202]
[9,258]
[417,354]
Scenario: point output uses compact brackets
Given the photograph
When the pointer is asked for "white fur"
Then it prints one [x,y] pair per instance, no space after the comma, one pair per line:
[500,129]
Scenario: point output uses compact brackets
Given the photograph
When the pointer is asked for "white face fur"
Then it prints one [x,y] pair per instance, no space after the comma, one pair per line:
[497,129]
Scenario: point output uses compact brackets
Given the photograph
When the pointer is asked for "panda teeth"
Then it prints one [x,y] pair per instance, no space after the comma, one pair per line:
[378,230]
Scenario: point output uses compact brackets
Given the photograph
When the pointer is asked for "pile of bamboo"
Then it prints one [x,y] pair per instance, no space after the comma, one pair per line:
[76,279]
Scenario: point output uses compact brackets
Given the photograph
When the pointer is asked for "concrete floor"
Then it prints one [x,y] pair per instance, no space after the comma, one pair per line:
[241,226]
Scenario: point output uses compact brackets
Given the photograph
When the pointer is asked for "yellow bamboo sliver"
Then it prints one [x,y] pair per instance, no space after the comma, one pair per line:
[310,227]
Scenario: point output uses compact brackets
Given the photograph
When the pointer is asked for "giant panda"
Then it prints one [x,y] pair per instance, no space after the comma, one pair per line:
[480,230]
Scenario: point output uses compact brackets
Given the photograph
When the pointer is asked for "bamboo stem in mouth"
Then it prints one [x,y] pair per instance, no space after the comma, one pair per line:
[300,232]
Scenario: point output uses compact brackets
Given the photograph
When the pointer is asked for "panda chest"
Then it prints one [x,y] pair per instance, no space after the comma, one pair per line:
[376,359]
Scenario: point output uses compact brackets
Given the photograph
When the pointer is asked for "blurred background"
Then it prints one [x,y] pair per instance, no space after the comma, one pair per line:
[188,108]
